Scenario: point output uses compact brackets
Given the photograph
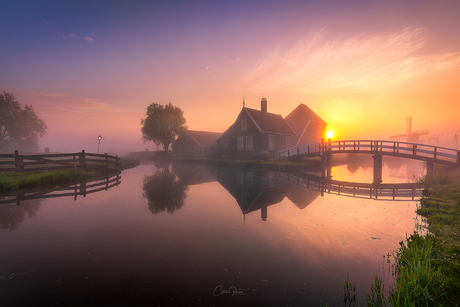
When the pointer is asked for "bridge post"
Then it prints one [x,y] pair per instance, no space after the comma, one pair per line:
[328,167]
[429,168]
[377,168]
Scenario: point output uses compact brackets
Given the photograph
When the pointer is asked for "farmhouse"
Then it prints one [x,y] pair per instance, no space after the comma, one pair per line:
[256,131]
[193,143]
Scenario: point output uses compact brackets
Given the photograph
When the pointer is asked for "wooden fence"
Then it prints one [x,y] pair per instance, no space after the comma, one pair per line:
[20,163]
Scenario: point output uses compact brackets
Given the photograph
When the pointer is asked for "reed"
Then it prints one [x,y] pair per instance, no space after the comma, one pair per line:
[419,278]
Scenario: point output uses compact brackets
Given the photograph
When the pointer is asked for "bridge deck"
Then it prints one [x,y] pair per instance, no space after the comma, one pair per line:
[416,151]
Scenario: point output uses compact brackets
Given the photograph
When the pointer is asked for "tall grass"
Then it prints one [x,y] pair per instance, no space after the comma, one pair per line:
[418,276]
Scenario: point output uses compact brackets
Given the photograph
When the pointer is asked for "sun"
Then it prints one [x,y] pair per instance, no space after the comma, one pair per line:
[329,134]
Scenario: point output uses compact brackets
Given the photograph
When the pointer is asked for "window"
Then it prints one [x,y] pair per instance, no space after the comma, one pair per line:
[249,142]
[271,142]
[224,143]
[240,178]
[288,141]
[244,124]
[240,142]
[249,180]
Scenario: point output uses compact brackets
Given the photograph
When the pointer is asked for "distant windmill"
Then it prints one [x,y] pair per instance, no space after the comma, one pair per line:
[411,137]
[434,137]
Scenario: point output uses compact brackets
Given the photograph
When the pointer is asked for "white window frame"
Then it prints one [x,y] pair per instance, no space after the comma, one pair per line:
[240,142]
[249,142]
[244,124]
[271,142]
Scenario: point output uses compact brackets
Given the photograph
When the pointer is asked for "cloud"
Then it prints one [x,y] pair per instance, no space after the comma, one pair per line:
[362,62]
[71,35]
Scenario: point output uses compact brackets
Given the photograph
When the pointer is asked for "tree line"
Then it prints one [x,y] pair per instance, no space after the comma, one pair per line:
[19,125]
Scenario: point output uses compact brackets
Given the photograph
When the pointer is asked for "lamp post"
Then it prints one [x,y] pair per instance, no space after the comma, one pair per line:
[456,137]
[99,142]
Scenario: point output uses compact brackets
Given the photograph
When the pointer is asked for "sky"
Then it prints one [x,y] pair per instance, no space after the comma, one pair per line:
[91,68]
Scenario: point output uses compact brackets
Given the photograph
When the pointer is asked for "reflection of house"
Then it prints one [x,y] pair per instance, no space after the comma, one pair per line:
[302,197]
[190,173]
[254,190]
[256,131]
[195,143]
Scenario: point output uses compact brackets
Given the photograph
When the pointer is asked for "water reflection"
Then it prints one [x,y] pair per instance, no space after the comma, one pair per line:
[15,207]
[255,190]
[164,191]
[12,215]
[110,250]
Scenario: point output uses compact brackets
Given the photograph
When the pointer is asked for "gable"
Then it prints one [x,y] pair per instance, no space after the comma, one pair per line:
[302,116]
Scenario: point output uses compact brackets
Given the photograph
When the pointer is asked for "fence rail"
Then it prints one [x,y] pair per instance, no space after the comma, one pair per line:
[33,162]
[400,149]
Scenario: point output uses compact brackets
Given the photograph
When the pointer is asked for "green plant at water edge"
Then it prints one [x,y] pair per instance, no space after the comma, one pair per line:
[430,181]
[419,279]
[349,293]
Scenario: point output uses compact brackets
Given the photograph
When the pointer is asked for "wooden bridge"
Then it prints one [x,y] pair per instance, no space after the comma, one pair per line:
[430,154]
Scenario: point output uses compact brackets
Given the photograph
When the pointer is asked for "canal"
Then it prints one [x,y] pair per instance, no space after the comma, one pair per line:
[195,235]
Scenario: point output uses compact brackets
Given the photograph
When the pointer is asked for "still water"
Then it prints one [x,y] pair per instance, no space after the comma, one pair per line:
[193,235]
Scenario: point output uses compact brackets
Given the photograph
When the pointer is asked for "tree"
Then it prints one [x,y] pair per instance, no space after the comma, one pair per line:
[162,124]
[17,124]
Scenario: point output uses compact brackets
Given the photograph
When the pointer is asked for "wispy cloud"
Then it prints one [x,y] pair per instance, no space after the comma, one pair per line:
[363,62]
[70,35]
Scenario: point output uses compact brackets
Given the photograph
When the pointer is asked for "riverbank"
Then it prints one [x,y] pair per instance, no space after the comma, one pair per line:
[426,269]
[16,181]
[299,165]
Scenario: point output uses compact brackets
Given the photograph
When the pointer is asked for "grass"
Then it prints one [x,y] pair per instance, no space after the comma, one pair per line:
[419,275]
[427,268]
[13,181]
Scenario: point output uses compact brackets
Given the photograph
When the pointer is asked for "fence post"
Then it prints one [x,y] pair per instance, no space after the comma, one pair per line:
[18,162]
[117,162]
[106,161]
[82,159]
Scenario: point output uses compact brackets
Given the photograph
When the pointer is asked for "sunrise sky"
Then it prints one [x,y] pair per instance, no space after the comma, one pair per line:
[91,68]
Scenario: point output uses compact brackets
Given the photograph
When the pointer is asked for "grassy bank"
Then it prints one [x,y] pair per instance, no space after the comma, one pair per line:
[13,181]
[426,269]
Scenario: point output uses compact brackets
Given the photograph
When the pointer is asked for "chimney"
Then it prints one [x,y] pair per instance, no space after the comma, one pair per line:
[263,105]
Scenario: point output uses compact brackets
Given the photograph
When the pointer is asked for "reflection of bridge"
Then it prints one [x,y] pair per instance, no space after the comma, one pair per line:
[82,189]
[430,154]
[388,191]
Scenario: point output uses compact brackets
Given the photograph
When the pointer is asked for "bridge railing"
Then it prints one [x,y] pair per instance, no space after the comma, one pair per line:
[411,150]
[402,149]
[303,150]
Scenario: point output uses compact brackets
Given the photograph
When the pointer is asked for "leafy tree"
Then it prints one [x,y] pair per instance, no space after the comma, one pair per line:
[162,124]
[17,124]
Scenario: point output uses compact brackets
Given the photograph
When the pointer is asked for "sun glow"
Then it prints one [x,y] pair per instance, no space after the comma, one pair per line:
[329,134]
